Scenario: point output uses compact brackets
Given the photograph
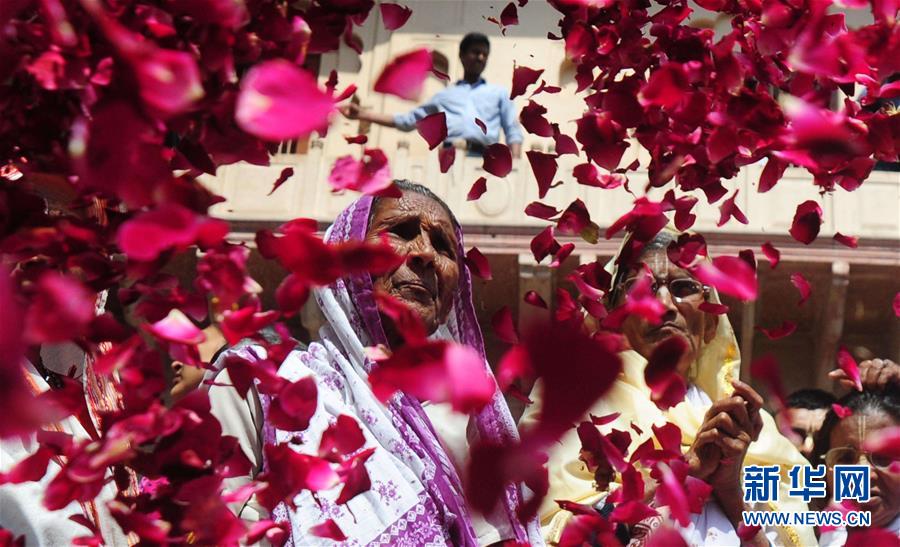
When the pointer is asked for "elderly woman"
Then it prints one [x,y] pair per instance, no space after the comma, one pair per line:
[416,497]
[841,440]
[722,424]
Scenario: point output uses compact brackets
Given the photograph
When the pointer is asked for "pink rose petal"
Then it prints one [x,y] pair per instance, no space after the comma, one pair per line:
[61,309]
[729,209]
[177,328]
[437,372]
[433,129]
[766,370]
[803,287]
[497,160]
[535,299]
[280,101]
[841,411]
[847,363]
[730,275]
[370,175]
[896,304]
[405,75]
[716,309]
[330,529]
[394,16]
[773,254]
[294,406]
[785,329]
[522,78]
[885,442]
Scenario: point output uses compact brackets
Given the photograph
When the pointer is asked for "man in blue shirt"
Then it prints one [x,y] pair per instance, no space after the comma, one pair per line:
[467,100]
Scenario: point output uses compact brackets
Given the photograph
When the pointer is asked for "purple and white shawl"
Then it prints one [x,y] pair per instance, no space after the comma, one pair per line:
[416,496]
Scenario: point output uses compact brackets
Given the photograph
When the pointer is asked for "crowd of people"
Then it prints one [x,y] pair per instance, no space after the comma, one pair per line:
[419,450]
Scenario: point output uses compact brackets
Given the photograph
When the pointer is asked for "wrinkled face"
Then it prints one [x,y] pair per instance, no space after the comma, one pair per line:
[851,432]
[185,379]
[806,423]
[418,228]
[474,58]
[682,318]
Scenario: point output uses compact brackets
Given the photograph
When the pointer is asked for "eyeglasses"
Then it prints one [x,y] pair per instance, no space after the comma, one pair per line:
[682,289]
[847,455]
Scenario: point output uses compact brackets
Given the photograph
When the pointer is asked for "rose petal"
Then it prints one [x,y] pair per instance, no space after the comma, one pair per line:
[847,363]
[405,75]
[437,372]
[393,16]
[478,264]
[533,120]
[544,168]
[535,299]
[479,187]
[522,78]
[286,173]
[60,310]
[710,307]
[729,209]
[841,411]
[497,160]
[280,101]
[294,406]
[806,223]
[537,209]
[885,442]
[509,16]
[369,175]
[446,157]
[433,129]
[766,370]
[847,241]
[773,254]
[667,388]
[771,174]
[177,328]
[803,287]
[330,529]
[896,304]
[786,329]
[342,438]
[730,275]
[502,324]
[481,126]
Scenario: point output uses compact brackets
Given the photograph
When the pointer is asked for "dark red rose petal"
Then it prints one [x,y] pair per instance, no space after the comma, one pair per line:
[807,221]
[497,160]
[479,187]
[773,254]
[522,78]
[433,129]
[394,16]
[478,264]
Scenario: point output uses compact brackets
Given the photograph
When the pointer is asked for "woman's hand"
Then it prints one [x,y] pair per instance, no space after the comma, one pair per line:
[874,375]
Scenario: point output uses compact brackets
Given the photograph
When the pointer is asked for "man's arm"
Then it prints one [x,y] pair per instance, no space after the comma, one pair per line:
[510,124]
[403,122]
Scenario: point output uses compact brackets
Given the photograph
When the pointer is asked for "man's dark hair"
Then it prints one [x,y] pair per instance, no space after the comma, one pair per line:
[810,399]
[408,186]
[472,39]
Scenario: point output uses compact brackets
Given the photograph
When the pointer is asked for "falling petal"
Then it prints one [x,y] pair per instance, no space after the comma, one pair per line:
[847,241]
[394,16]
[544,168]
[433,129]
[730,209]
[522,78]
[847,363]
[502,324]
[446,157]
[773,254]
[479,187]
[405,75]
[509,16]
[497,160]
[785,329]
[280,101]
[286,173]
[370,175]
[807,221]
[177,328]
[478,264]
[535,299]
[730,275]
[803,287]
[841,411]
